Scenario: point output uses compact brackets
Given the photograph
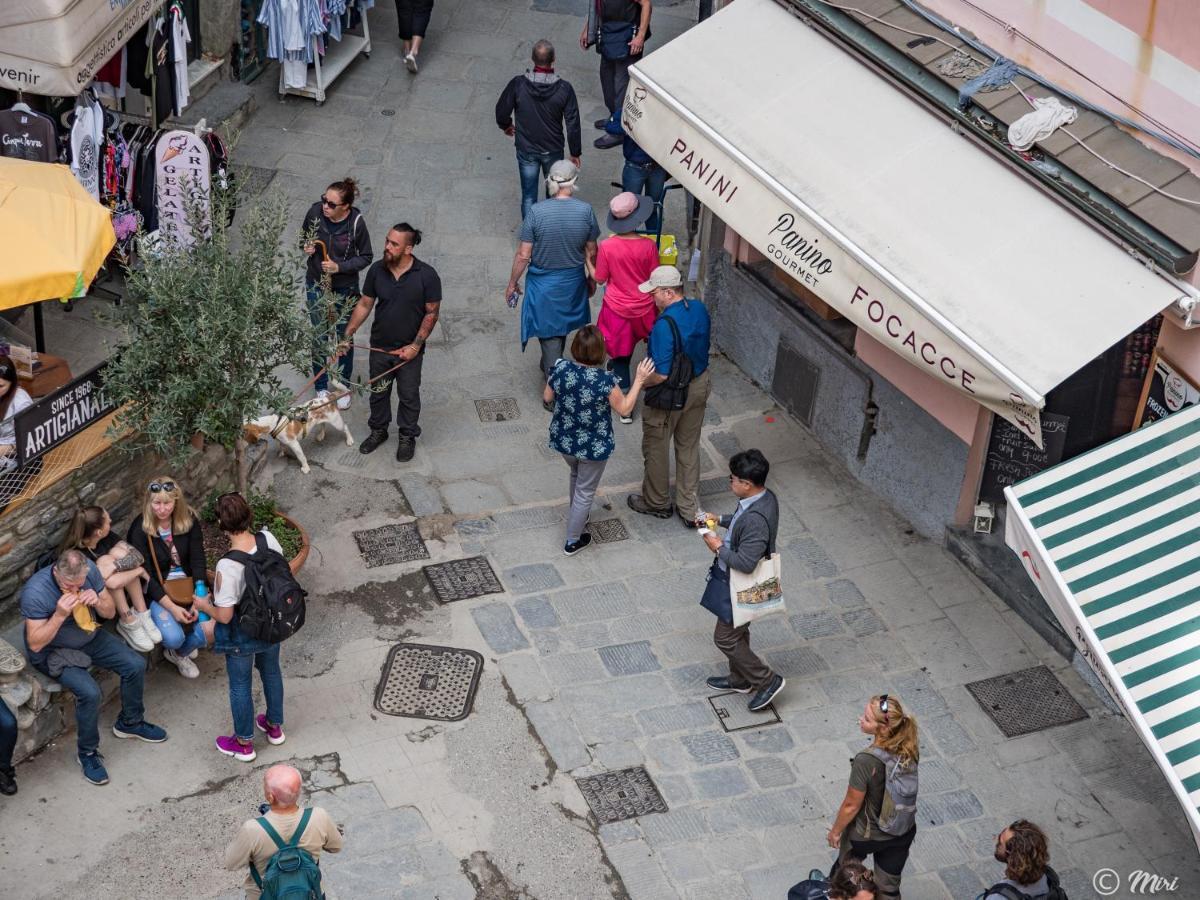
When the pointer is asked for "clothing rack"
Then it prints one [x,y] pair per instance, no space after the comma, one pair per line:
[325,70]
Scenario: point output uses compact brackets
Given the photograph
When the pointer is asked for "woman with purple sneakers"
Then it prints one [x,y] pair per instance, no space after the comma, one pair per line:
[242,654]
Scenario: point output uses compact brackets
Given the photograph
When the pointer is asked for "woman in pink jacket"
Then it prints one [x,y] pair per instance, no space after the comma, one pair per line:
[624,261]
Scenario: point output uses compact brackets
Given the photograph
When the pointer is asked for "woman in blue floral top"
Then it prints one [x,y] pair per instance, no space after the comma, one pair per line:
[584,396]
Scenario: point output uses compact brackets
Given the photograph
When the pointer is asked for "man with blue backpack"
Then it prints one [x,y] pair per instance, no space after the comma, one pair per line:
[281,850]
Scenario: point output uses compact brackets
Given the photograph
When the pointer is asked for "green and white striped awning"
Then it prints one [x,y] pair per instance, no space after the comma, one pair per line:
[1112,540]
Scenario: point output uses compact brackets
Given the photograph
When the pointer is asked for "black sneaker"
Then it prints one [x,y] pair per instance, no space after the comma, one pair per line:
[405,449]
[572,547]
[373,442]
[725,683]
[763,698]
[8,781]
[601,124]
[608,141]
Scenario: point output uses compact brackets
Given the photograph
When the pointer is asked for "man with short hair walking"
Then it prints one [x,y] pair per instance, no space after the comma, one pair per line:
[661,427]
[409,296]
[543,104]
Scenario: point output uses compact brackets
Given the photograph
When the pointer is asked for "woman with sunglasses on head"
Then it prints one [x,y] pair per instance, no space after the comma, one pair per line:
[338,225]
[13,399]
[857,831]
[168,536]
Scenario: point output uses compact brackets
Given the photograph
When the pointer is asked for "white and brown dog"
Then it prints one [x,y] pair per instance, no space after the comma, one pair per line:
[290,430]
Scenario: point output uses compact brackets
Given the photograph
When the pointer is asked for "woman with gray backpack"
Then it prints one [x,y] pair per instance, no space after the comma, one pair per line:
[878,816]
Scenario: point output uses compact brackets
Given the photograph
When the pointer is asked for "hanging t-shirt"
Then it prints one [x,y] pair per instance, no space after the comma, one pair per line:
[110,77]
[160,71]
[180,38]
[86,133]
[27,135]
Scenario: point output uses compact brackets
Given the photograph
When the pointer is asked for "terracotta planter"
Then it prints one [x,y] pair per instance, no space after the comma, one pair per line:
[296,563]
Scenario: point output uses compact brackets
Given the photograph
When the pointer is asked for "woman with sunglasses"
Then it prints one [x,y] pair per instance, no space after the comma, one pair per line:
[331,276]
[168,536]
[856,831]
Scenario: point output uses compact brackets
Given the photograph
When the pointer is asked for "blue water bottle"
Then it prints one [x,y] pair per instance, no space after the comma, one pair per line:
[201,591]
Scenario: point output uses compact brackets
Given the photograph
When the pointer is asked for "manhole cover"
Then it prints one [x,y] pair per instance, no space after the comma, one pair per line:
[710,486]
[390,544]
[733,714]
[352,460]
[387,112]
[607,531]
[1026,701]
[462,579]
[424,682]
[626,794]
[500,409]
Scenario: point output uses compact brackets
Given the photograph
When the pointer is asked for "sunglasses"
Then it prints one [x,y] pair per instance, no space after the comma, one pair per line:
[883,707]
[6,373]
[161,487]
[325,201]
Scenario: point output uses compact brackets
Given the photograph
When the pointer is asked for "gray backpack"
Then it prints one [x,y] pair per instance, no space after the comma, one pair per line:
[898,813]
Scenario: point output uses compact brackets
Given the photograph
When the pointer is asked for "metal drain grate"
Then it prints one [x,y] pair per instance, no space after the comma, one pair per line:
[462,579]
[352,459]
[498,409]
[734,715]
[613,796]
[608,531]
[390,544]
[1026,701]
[424,682]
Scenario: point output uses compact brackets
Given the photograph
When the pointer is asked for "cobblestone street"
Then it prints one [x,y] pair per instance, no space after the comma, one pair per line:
[593,663]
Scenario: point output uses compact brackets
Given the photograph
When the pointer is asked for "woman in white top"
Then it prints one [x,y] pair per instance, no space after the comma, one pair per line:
[13,399]
[242,654]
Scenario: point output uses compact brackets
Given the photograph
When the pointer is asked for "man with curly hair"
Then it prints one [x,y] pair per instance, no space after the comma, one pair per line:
[1025,852]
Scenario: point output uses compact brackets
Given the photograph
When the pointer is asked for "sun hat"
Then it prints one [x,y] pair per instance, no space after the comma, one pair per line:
[628,212]
[562,174]
[662,277]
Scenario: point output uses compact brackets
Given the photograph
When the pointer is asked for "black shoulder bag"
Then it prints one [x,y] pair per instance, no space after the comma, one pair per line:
[672,394]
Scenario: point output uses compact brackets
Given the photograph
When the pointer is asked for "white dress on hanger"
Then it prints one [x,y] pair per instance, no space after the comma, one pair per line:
[180,38]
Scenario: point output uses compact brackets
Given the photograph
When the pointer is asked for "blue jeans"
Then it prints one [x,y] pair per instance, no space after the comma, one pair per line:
[649,179]
[318,314]
[174,636]
[8,736]
[240,667]
[107,652]
[534,168]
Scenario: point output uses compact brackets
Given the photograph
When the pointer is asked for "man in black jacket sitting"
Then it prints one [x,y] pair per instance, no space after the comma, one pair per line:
[543,104]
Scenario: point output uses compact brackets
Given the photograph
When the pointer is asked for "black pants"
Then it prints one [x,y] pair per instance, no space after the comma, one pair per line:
[8,737]
[414,17]
[887,856]
[614,79]
[407,380]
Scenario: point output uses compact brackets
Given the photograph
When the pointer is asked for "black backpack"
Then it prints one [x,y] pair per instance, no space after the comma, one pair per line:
[1055,892]
[272,604]
[672,394]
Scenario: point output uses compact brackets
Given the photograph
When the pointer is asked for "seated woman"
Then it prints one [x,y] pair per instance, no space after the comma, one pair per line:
[13,399]
[121,568]
[168,535]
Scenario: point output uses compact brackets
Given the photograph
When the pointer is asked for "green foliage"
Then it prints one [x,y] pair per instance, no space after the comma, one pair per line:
[266,515]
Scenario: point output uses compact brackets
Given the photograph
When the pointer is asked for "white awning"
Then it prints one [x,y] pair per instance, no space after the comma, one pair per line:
[918,236]
[1110,539]
[55,47]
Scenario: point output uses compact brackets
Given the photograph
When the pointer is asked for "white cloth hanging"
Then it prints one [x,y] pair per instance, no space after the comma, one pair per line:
[180,38]
[1047,116]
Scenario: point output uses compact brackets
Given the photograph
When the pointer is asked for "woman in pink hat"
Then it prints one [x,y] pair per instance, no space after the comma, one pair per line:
[624,261]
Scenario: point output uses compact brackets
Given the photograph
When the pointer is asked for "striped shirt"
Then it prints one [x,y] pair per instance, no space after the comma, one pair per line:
[559,229]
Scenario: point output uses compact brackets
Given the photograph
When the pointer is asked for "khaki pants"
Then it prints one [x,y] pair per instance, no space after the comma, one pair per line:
[659,428]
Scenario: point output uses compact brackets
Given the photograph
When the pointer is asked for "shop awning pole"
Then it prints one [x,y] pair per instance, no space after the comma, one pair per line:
[39,329]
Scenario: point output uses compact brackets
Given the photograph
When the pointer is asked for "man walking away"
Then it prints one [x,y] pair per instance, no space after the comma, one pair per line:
[1025,852]
[543,104]
[558,246]
[749,537]
[619,29]
[662,426]
[311,831]
[409,296]
[642,175]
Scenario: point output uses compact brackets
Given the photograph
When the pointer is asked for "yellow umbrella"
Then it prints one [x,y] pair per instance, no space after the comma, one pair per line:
[54,233]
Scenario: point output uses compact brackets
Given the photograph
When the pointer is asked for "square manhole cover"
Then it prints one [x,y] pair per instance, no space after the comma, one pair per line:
[1026,701]
[626,794]
[352,460]
[462,579]
[608,531]
[251,179]
[498,409]
[424,682]
[734,715]
[390,544]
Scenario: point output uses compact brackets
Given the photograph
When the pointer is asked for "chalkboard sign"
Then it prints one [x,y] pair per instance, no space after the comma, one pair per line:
[1012,457]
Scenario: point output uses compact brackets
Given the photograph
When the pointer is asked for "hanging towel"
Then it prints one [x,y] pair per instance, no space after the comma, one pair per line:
[1047,116]
[1001,73]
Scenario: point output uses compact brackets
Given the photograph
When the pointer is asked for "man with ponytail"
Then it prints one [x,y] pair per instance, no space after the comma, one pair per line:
[877,817]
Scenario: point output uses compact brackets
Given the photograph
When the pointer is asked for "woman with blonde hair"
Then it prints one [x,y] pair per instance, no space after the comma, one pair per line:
[121,568]
[867,819]
[168,536]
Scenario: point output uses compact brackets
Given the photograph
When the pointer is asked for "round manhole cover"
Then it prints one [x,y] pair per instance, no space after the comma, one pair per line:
[387,112]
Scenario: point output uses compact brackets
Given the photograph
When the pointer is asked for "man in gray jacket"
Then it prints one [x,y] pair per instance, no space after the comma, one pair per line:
[749,537]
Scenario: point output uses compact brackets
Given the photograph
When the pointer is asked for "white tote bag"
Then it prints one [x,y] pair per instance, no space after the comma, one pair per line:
[756,594]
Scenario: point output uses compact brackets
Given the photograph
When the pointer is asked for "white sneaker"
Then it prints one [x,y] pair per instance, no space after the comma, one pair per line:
[410,63]
[195,654]
[323,396]
[186,667]
[151,630]
[343,402]
[134,636]
[626,420]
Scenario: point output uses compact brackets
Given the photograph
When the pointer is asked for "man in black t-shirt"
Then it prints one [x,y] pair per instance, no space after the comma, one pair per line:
[406,295]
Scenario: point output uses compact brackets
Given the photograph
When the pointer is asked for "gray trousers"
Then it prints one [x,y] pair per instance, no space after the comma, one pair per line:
[585,479]
[745,666]
[553,349]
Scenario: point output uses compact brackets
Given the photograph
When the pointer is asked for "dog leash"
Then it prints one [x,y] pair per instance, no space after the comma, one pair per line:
[278,429]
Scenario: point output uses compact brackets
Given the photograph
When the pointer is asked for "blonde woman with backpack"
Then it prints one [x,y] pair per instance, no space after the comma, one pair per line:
[877,817]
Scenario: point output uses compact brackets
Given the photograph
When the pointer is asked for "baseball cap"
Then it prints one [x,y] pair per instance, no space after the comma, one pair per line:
[661,277]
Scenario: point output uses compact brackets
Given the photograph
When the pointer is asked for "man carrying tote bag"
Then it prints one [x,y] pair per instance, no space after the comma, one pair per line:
[743,583]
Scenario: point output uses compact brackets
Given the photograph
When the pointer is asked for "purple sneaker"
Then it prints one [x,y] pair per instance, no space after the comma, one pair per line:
[274,733]
[231,746]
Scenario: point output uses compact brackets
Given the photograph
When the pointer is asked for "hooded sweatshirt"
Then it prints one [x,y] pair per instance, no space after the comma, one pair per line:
[543,104]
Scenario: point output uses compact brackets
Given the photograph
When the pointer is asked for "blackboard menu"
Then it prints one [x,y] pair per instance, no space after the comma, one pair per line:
[1013,457]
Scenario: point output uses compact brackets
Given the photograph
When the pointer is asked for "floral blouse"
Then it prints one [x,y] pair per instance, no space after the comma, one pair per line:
[582,422]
